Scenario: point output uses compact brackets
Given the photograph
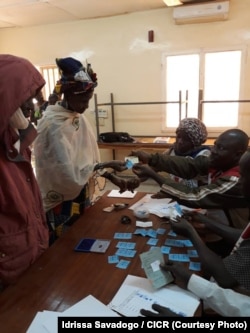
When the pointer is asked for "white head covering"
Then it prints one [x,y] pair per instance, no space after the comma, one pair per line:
[18,121]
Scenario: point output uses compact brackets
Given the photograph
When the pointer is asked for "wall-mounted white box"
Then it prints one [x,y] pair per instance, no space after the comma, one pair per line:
[102,113]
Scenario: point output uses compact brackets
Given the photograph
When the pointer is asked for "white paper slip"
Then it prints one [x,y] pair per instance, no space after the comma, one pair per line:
[142,224]
[126,194]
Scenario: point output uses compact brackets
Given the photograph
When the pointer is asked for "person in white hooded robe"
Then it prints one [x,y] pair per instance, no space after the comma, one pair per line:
[67,157]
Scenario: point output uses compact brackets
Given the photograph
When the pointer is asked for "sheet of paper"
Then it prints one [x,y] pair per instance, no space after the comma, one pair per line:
[136,293]
[37,324]
[87,307]
[126,194]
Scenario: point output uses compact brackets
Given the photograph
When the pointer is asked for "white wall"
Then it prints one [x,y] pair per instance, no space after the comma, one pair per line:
[126,63]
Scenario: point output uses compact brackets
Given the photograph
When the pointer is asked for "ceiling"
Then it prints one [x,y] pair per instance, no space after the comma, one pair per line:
[24,13]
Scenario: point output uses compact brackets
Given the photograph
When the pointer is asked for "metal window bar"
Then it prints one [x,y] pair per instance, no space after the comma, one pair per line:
[113,104]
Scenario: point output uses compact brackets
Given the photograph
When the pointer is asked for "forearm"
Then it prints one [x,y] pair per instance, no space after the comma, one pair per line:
[114,164]
[118,181]
[104,172]
[212,264]
[159,179]
[186,168]
[112,177]
[219,195]
[226,232]
[103,165]
[225,302]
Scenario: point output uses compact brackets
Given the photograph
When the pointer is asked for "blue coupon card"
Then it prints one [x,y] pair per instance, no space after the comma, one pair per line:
[123,264]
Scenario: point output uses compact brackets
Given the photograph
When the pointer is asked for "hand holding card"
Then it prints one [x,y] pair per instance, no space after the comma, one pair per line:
[151,261]
[130,161]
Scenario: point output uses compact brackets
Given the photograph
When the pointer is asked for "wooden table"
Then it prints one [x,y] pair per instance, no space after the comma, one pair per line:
[144,143]
[61,277]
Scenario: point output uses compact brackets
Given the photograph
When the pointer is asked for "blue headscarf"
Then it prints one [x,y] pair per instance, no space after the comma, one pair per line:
[74,73]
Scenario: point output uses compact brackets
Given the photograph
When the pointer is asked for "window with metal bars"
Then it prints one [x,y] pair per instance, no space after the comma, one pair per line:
[51,76]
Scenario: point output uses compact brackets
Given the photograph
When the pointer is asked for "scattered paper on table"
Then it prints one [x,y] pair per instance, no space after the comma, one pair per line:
[160,207]
[46,321]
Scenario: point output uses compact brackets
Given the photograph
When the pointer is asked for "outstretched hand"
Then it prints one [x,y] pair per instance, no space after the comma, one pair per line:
[181,226]
[120,182]
[125,184]
[116,165]
[133,183]
[142,171]
[199,221]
